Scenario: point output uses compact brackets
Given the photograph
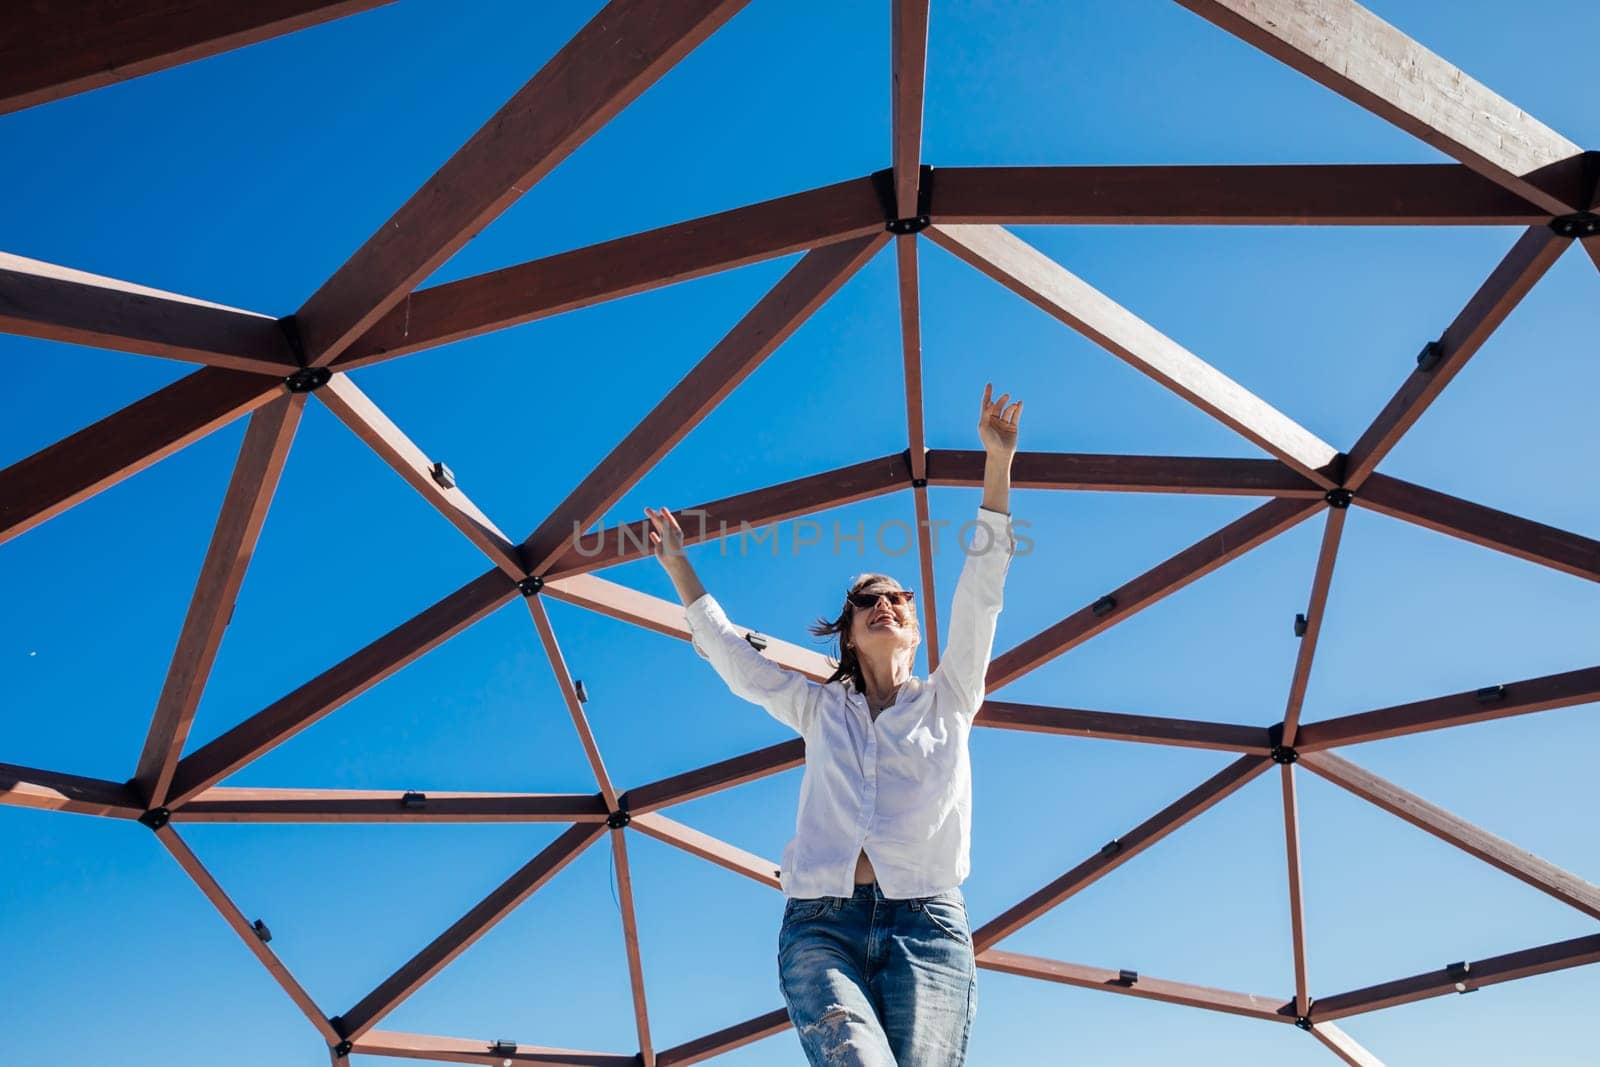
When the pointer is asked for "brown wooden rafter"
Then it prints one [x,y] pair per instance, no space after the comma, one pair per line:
[122,444]
[1457,709]
[245,929]
[244,510]
[1495,851]
[1543,959]
[59,304]
[1533,254]
[775,317]
[619,54]
[1342,45]
[1232,541]
[467,930]
[1044,283]
[55,50]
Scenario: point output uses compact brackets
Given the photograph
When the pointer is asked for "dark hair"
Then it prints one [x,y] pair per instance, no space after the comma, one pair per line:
[847,667]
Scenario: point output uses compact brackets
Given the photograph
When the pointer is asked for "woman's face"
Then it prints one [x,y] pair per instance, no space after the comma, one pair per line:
[885,628]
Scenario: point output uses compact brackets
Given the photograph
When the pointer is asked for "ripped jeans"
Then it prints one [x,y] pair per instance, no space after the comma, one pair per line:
[875,982]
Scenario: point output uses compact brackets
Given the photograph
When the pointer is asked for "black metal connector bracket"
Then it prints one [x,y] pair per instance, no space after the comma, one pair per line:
[414,801]
[1578,224]
[1339,498]
[1284,754]
[443,476]
[156,818]
[343,1049]
[1104,606]
[757,642]
[308,379]
[1301,623]
[1303,1021]
[503,1048]
[531,585]
[1127,978]
[619,818]
[919,483]
[1491,694]
[261,931]
[582,693]
[1112,847]
[1429,357]
[883,182]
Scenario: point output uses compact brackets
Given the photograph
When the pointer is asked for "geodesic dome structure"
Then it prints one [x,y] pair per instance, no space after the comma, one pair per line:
[1511,171]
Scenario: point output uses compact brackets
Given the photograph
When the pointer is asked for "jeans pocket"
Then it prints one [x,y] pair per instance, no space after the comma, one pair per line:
[805,909]
[949,915]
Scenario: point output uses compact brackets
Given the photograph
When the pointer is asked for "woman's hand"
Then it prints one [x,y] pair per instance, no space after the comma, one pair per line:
[666,539]
[997,424]
[666,544]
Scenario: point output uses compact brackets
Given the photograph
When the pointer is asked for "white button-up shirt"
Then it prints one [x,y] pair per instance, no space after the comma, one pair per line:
[898,788]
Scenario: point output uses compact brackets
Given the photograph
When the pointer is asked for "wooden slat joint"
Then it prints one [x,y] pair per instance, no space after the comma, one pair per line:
[893,221]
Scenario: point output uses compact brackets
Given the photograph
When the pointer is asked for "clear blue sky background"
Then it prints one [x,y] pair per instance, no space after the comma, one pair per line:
[248,178]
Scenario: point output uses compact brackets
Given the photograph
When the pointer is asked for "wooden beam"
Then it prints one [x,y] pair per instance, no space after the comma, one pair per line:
[1343,1046]
[1117,726]
[772,321]
[630,938]
[368,422]
[1297,914]
[569,694]
[1533,541]
[1128,474]
[1541,960]
[1193,996]
[240,925]
[708,848]
[1122,849]
[667,618]
[1348,49]
[909,42]
[244,510]
[622,51]
[235,805]
[726,1040]
[703,781]
[54,303]
[1193,563]
[1534,253]
[1047,285]
[730,516]
[1452,829]
[622,267]
[1339,194]
[52,51]
[122,444]
[30,787]
[463,1050]
[1457,709]
[905,248]
[467,930]
[1321,581]
[319,697]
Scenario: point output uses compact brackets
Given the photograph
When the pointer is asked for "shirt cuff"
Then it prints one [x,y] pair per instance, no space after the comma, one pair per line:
[704,617]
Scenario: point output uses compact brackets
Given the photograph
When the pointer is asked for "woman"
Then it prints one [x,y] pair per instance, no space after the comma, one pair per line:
[875,956]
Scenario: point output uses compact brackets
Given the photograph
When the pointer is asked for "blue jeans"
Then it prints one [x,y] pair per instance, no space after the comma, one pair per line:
[874,982]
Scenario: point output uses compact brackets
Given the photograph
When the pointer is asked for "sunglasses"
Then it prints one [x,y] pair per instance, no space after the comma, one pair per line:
[897,597]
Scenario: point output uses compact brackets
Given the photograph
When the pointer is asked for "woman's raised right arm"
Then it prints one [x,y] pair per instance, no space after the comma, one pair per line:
[788,696]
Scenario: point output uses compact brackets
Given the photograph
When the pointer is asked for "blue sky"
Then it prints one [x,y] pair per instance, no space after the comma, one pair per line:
[247,178]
